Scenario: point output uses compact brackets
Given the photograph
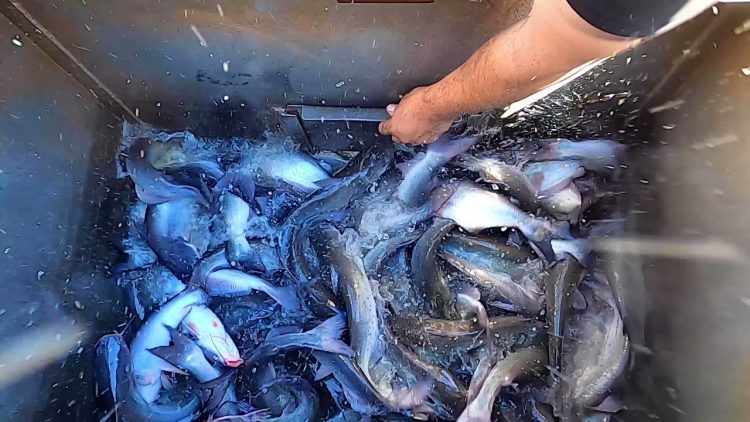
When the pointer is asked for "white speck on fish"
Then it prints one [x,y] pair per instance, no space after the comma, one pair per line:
[225,66]
[39,274]
[340,84]
[220,9]
[16,40]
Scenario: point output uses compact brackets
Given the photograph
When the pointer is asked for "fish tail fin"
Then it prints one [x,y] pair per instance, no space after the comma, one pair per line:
[540,234]
[543,248]
[327,336]
[167,353]
[286,297]
[322,371]
[447,148]
[170,357]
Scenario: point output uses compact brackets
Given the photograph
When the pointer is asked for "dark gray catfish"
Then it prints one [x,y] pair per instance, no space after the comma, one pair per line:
[176,405]
[503,373]
[419,173]
[375,257]
[428,276]
[342,255]
[458,345]
[290,398]
[325,337]
[561,286]
[595,355]
[215,393]
[171,228]
[332,199]
[360,394]
[113,370]
[476,209]
[368,332]
[508,283]
[151,185]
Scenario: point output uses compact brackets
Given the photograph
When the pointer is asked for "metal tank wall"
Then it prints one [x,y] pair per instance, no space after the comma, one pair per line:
[55,157]
[679,99]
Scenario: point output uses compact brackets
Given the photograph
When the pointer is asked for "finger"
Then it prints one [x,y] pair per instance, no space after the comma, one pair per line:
[385,127]
[397,140]
[391,108]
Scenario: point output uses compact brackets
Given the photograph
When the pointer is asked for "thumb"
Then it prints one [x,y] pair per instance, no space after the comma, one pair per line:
[385,127]
[391,108]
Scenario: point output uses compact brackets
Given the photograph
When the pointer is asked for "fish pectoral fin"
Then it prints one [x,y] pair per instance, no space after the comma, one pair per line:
[323,371]
[168,367]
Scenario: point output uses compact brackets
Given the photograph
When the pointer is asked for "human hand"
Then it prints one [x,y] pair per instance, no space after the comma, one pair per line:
[416,119]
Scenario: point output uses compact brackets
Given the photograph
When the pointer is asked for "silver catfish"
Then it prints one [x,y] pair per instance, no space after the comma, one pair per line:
[502,374]
[233,283]
[236,212]
[278,163]
[595,353]
[419,173]
[147,367]
[475,209]
[211,336]
[597,155]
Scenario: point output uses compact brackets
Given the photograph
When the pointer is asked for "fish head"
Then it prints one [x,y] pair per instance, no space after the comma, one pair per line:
[211,336]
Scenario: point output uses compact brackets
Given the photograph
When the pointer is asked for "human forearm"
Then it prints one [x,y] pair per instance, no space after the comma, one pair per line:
[523,59]
[512,65]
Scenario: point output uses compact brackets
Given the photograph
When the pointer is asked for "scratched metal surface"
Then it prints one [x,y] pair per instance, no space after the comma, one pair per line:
[277,52]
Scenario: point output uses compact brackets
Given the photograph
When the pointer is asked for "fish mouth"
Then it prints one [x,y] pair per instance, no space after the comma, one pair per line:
[234,362]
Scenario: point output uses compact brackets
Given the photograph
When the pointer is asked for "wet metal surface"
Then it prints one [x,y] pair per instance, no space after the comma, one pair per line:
[52,132]
[224,63]
[695,181]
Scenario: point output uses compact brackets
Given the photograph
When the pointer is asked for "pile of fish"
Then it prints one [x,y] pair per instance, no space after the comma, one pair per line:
[452,282]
